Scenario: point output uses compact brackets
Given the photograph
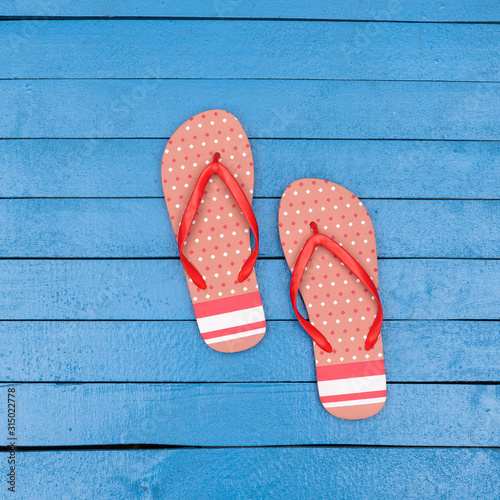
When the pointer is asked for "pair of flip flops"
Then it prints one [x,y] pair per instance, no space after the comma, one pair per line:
[328,242]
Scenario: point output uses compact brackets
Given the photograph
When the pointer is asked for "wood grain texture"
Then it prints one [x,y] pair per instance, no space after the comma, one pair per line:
[248,49]
[156,289]
[140,228]
[149,351]
[293,473]
[386,10]
[405,110]
[248,415]
[371,169]
[266,108]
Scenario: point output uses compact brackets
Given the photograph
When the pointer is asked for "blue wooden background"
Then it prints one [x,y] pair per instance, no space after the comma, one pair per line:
[118,396]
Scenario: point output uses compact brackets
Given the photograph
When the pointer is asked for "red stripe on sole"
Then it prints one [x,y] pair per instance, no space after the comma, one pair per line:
[350,370]
[233,330]
[352,397]
[229,304]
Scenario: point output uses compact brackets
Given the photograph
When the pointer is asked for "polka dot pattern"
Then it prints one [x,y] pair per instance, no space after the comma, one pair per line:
[218,242]
[338,304]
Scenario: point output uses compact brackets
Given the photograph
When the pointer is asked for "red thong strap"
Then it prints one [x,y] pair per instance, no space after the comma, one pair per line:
[192,208]
[353,265]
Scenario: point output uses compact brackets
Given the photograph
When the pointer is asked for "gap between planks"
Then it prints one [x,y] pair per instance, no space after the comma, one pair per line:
[260,258]
[132,447]
[256,79]
[226,382]
[236,19]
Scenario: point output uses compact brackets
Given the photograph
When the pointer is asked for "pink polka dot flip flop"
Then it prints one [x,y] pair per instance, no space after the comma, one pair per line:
[212,218]
[329,244]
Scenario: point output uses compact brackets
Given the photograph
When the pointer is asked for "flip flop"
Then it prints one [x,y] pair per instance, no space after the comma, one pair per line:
[329,244]
[212,217]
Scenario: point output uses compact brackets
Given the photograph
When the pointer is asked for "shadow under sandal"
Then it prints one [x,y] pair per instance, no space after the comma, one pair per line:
[329,244]
[207,176]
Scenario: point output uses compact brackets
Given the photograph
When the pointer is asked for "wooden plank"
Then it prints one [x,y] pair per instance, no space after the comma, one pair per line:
[149,351]
[267,108]
[347,473]
[371,169]
[140,228]
[156,289]
[248,415]
[385,10]
[249,49]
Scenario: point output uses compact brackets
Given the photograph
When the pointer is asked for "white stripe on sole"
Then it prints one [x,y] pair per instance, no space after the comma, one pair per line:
[235,336]
[355,402]
[231,319]
[351,385]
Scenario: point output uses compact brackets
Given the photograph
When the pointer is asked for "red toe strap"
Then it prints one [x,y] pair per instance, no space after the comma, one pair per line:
[353,265]
[192,208]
